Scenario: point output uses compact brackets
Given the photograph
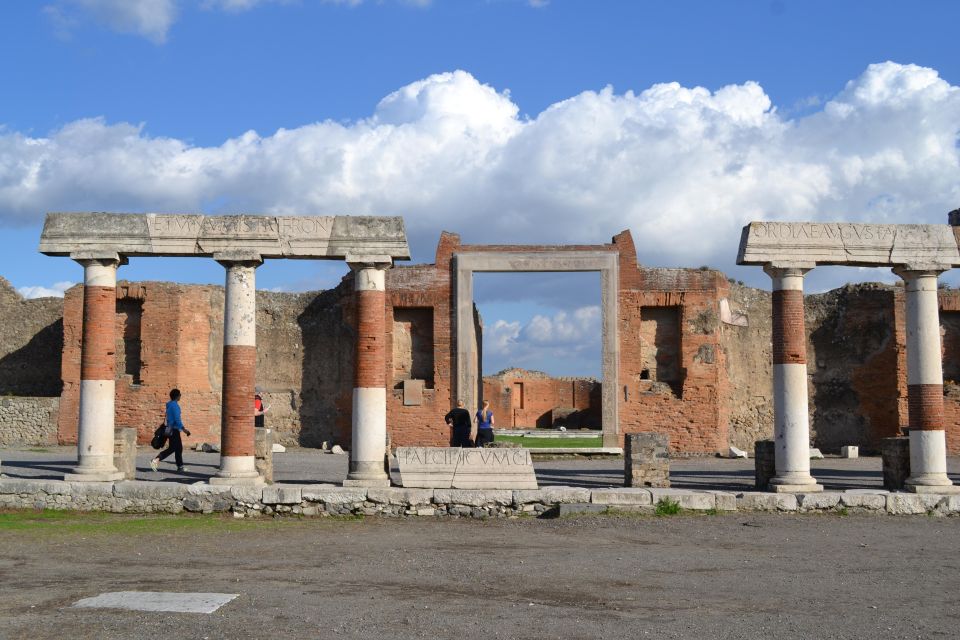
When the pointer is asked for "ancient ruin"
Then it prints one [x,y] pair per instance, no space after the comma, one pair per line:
[701,359]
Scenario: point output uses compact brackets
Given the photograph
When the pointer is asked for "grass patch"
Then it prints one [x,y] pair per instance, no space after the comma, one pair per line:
[541,443]
[842,511]
[110,523]
[38,450]
[667,507]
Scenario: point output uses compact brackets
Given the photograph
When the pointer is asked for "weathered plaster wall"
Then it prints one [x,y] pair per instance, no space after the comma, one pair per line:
[31,339]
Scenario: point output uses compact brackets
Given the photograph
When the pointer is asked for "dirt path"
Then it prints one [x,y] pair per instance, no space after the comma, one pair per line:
[729,576]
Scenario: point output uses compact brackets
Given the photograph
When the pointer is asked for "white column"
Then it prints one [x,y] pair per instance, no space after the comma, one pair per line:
[928,445]
[790,400]
[97,372]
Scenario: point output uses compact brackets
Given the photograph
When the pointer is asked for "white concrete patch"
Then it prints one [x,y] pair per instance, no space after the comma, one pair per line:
[157,601]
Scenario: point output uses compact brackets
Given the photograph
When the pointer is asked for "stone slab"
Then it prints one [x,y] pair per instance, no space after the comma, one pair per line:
[913,246]
[473,497]
[577,508]
[144,490]
[333,494]
[551,495]
[253,236]
[157,601]
[624,496]
[757,501]
[400,496]
[456,468]
[280,494]
[818,501]
[688,499]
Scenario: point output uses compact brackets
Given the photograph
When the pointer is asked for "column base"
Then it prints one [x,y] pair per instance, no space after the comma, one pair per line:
[238,470]
[367,474]
[930,483]
[795,484]
[90,475]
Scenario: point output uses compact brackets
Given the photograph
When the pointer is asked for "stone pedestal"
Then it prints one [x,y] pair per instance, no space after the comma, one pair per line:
[895,453]
[125,451]
[646,459]
[764,464]
[263,453]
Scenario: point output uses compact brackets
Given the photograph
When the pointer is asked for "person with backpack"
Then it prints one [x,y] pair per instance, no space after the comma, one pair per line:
[484,425]
[174,429]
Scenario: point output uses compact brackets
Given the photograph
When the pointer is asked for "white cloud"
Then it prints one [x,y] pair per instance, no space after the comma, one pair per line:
[56,291]
[682,168]
[544,338]
[148,18]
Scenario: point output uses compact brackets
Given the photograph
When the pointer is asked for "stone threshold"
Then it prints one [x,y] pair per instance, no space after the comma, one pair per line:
[328,499]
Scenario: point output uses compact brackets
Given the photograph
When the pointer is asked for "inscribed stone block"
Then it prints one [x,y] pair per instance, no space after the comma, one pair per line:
[455,468]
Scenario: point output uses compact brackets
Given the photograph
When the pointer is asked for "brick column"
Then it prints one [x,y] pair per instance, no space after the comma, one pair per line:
[97,367]
[237,462]
[791,428]
[370,384]
[928,446]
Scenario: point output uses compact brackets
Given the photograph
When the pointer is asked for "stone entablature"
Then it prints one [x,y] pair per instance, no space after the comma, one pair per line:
[914,246]
[156,234]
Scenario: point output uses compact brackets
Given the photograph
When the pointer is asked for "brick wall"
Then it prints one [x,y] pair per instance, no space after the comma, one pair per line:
[524,399]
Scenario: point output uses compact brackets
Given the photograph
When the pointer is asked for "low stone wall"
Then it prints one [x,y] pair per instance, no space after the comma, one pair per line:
[334,500]
[28,421]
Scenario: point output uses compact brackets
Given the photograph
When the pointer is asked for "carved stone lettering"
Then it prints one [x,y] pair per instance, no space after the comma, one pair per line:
[466,468]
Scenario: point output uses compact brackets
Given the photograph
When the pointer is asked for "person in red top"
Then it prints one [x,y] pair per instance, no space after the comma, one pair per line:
[258,410]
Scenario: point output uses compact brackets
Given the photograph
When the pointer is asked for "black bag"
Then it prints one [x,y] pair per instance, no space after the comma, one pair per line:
[159,437]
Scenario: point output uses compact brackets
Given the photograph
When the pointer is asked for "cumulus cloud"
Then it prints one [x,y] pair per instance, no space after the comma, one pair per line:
[55,291]
[683,168]
[545,342]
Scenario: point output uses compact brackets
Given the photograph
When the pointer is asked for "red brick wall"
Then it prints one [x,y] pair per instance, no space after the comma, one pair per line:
[541,396]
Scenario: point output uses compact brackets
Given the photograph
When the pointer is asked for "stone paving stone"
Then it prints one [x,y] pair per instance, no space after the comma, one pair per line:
[756,501]
[333,494]
[280,494]
[397,495]
[157,601]
[473,497]
[142,490]
[818,501]
[625,496]
[696,500]
[906,504]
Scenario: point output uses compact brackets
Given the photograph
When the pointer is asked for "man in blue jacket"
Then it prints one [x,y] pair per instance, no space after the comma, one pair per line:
[174,428]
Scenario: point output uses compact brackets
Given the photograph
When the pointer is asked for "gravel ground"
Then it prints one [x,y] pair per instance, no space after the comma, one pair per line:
[310,466]
[726,576]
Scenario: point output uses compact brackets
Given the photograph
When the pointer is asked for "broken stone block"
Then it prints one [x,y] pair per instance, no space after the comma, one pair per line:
[850,451]
[337,449]
[278,448]
[125,451]
[815,454]
[737,453]
[646,458]
[263,453]
[764,464]
[895,453]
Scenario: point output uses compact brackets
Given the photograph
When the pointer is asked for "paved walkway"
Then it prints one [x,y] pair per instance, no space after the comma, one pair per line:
[310,466]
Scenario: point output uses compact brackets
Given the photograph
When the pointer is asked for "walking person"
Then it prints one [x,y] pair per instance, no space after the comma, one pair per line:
[174,428]
[459,421]
[484,425]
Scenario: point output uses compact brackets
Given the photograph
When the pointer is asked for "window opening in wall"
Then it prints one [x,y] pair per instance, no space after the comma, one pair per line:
[660,349]
[950,329]
[541,347]
[129,344]
[413,345]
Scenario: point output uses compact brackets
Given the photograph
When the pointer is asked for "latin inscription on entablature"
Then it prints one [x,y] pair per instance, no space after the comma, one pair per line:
[199,235]
[928,245]
[456,468]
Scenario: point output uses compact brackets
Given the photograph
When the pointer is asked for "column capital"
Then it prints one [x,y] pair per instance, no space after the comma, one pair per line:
[788,269]
[379,262]
[245,258]
[102,258]
[910,273]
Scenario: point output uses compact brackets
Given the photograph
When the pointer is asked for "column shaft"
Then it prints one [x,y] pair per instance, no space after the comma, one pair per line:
[97,367]
[369,432]
[928,446]
[237,463]
[790,401]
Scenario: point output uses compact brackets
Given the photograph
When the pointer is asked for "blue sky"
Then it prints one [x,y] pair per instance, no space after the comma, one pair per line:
[504,120]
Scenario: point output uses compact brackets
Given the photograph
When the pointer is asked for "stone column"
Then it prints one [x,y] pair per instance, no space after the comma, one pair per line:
[370,384]
[237,461]
[97,371]
[790,401]
[928,445]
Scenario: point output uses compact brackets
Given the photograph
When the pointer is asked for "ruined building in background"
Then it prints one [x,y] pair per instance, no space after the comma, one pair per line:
[693,359]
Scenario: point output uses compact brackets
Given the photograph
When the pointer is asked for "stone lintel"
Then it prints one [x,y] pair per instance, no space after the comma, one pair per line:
[842,243]
[156,234]
[104,256]
[368,261]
